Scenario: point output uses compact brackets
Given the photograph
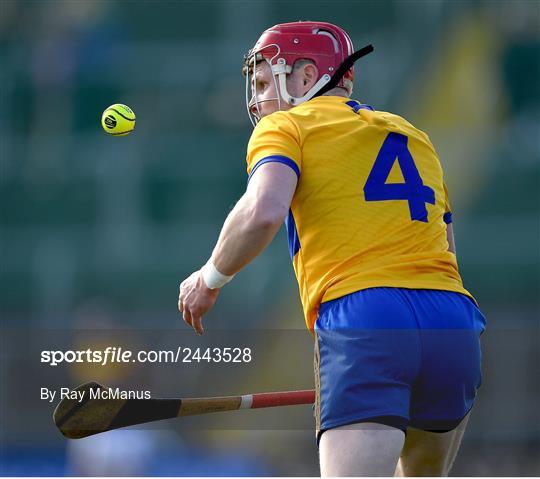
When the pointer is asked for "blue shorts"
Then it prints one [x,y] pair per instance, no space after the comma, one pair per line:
[400,357]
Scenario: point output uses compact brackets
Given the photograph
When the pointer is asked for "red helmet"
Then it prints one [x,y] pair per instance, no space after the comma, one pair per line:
[325,44]
[282,45]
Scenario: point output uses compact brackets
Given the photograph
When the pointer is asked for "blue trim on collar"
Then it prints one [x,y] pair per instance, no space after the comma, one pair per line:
[356,106]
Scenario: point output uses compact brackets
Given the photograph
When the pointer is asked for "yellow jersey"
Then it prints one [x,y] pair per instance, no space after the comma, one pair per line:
[370,208]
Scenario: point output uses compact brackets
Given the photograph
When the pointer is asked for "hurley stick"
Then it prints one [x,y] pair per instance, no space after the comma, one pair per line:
[92,416]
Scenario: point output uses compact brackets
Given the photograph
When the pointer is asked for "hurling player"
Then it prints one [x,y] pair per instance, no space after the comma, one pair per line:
[362,194]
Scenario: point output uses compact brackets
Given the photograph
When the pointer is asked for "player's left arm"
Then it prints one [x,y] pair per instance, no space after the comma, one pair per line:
[247,231]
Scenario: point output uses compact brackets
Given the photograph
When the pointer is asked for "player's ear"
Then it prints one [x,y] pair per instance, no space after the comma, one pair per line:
[310,75]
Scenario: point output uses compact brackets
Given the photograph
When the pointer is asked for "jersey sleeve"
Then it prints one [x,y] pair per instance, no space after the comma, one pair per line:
[447,217]
[276,138]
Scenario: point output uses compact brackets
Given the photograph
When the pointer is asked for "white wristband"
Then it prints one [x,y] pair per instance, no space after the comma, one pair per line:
[213,278]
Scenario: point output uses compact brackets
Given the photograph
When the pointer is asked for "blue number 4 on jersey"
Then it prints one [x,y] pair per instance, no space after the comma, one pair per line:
[412,190]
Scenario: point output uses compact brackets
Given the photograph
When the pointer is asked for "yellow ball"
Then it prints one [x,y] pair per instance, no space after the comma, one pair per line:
[118,120]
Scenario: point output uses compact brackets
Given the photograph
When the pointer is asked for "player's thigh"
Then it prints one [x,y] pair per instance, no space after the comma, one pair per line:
[428,453]
[361,449]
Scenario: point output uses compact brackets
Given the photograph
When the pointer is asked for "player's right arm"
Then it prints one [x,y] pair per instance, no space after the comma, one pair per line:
[247,231]
[273,165]
[256,218]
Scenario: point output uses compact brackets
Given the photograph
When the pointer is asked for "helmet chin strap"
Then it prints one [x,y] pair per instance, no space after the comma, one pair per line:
[323,85]
[343,68]
[281,70]
[292,100]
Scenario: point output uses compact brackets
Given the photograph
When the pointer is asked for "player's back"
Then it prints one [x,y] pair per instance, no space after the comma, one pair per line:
[370,208]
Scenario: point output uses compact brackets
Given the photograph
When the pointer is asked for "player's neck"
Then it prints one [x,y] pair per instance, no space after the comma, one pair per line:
[337,92]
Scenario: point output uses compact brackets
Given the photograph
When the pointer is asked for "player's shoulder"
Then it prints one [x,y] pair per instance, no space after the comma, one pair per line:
[318,111]
[395,122]
[278,121]
[277,118]
[318,107]
[313,114]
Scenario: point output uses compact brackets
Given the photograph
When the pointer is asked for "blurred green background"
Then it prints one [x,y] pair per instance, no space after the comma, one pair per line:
[99,231]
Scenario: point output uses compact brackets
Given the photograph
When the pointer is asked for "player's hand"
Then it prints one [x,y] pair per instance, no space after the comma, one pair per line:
[195,300]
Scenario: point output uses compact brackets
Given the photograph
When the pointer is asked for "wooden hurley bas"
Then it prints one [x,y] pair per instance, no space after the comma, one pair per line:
[77,419]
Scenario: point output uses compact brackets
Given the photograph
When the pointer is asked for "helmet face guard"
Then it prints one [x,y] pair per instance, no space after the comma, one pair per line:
[279,70]
[252,98]
[326,45]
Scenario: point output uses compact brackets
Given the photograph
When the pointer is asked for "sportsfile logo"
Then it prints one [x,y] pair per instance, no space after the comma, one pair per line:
[111,354]
[116,355]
